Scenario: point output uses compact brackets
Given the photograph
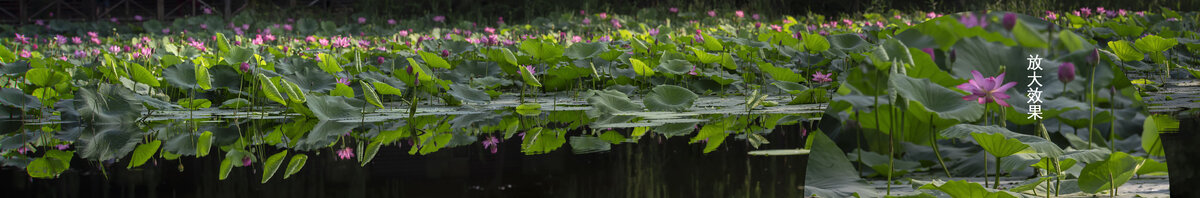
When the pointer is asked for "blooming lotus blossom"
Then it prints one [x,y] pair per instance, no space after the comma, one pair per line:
[576,39]
[673,10]
[391,21]
[62,146]
[491,143]
[1066,72]
[587,21]
[207,10]
[345,154]
[166,30]
[137,17]
[114,20]
[985,90]
[22,150]
[712,13]
[739,14]
[777,28]
[22,38]
[362,20]
[615,23]
[970,20]
[822,78]
[1009,20]
[25,54]
[693,72]
[343,81]
[39,22]
[755,17]
[603,15]
[439,18]
[531,70]
[76,40]
[652,31]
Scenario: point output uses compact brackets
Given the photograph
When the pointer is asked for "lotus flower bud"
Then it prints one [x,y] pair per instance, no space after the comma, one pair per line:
[1066,72]
[1009,20]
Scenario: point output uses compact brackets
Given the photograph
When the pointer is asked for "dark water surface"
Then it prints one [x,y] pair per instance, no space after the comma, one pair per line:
[657,164]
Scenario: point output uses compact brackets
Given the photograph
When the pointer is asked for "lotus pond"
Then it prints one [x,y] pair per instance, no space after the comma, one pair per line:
[661,103]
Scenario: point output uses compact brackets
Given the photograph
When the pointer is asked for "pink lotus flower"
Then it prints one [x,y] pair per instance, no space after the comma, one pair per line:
[576,39]
[1066,72]
[1009,20]
[63,146]
[22,150]
[445,53]
[777,28]
[25,54]
[345,153]
[245,67]
[439,18]
[693,72]
[603,15]
[380,60]
[587,21]
[246,161]
[22,38]
[673,10]
[207,10]
[712,13]
[739,14]
[76,40]
[985,90]
[970,20]
[491,143]
[822,78]
[930,52]
[755,17]
[137,17]
[166,30]
[531,70]
[362,20]
[489,30]
[652,31]
[391,21]
[615,23]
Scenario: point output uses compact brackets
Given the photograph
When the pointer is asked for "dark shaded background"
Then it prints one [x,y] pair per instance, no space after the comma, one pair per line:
[26,11]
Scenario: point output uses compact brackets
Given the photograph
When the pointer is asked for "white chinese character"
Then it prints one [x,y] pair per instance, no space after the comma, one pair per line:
[1035,96]
[1034,77]
[1035,112]
[1035,63]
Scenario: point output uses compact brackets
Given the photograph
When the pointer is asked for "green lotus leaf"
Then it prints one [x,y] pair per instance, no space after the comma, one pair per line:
[669,98]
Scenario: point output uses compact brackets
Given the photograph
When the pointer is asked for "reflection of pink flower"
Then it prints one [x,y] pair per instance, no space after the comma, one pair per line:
[345,153]
[492,143]
[984,90]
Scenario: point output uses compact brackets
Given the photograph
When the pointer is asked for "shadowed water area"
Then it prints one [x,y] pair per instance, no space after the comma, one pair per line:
[439,153]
